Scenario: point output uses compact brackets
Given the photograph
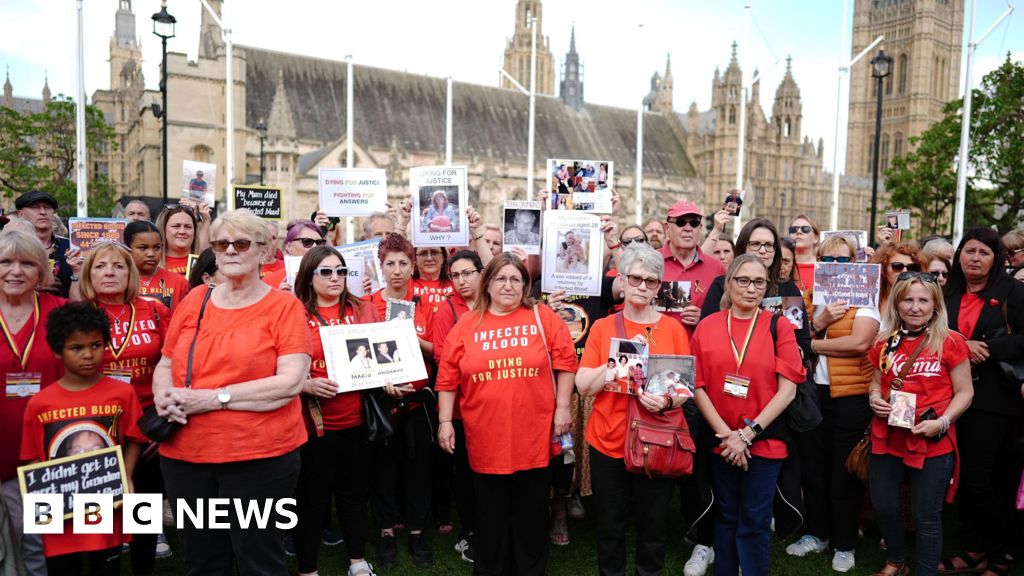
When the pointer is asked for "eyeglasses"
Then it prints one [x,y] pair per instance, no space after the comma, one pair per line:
[900,267]
[652,283]
[693,221]
[840,259]
[429,254]
[745,282]
[801,229]
[637,239]
[329,272]
[914,275]
[310,242]
[464,275]
[942,274]
[240,245]
[515,281]
[756,246]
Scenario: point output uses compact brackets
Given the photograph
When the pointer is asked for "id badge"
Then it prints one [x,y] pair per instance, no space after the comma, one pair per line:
[736,385]
[22,384]
[120,375]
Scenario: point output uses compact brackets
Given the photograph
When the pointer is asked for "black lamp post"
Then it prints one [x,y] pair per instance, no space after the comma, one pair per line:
[261,131]
[881,66]
[163,26]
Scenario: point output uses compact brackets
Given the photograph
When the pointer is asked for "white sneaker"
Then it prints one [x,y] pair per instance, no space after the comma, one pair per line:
[363,566]
[697,565]
[163,549]
[842,561]
[805,545]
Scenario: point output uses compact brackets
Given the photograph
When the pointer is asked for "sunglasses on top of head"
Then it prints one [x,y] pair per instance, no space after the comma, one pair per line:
[915,275]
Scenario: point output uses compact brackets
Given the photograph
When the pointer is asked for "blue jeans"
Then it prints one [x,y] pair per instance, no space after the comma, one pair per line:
[927,491]
[743,525]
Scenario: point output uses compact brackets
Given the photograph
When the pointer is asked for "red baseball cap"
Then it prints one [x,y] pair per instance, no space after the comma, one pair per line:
[684,207]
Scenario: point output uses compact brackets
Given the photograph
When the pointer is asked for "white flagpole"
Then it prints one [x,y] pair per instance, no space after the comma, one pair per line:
[742,137]
[448,124]
[350,137]
[80,152]
[533,106]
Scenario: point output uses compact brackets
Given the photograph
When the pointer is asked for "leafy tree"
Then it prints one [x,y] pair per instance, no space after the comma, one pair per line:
[925,179]
[38,152]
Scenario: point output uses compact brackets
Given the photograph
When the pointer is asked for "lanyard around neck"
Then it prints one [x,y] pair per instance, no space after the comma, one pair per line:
[22,355]
[740,354]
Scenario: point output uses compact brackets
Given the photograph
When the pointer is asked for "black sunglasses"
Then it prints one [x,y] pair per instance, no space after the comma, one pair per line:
[900,267]
[693,221]
[310,242]
[638,240]
[840,259]
[240,245]
[922,276]
[802,229]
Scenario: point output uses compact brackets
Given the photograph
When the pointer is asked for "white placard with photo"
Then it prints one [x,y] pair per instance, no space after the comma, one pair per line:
[291,269]
[199,181]
[367,252]
[352,191]
[584,185]
[356,273]
[521,225]
[362,356]
[573,244]
[439,199]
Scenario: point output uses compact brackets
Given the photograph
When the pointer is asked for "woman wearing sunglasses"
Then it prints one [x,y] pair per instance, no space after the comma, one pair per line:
[301,237]
[940,267]
[804,232]
[183,233]
[895,259]
[924,361]
[337,439]
[249,349]
[147,247]
[832,496]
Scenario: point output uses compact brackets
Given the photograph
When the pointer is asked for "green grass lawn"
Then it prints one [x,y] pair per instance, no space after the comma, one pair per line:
[579,557]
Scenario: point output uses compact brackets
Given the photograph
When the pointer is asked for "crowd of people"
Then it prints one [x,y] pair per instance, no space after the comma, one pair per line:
[194,322]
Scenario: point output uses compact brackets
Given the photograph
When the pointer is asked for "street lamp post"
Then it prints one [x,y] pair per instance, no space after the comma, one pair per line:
[261,131]
[163,26]
[881,67]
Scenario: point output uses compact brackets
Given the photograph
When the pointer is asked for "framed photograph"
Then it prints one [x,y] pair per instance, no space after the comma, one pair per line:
[521,225]
[399,310]
[199,181]
[439,199]
[667,374]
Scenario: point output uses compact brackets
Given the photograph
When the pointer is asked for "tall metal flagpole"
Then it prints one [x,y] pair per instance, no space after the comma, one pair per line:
[740,145]
[533,105]
[229,107]
[350,137]
[80,151]
[448,123]
[638,176]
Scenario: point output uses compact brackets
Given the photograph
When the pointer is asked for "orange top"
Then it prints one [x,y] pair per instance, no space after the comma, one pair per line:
[606,429]
[267,269]
[274,278]
[236,346]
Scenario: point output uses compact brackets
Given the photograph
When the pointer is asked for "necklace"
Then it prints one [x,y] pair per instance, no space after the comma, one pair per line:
[118,316]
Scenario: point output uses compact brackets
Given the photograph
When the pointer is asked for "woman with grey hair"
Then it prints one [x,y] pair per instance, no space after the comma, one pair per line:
[640,269]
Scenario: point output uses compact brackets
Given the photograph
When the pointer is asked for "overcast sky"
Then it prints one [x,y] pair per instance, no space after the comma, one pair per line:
[620,43]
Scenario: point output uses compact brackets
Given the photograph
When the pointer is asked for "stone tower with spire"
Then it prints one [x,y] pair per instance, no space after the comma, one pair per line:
[663,101]
[211,39]
[787,109]
[571,89]
[517,50]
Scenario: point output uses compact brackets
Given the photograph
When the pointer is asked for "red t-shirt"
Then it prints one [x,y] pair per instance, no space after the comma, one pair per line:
[40,362]
[970,309]
[432,292]
[177,264]
[236,346]
[137,334]
[715,361]
[58,420]
[422,316]
[805,276]
[929,379]
[700,273]
[165,286]
[267,269]
[274,278]
[443,322]
[500,367]
[606,429]
[344,410]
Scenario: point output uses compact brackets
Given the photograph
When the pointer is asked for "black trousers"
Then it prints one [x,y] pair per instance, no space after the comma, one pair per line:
[616,494]
[442,484]
[214,552]
[985,495]
[512,523]
[101,563]
[465,491]
[561,476]
[692,503]
[333,465]
[403,462]
[832,497]
[147,479]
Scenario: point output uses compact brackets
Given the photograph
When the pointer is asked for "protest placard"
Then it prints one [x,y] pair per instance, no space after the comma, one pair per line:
[855,283]
[439,199]
[356,273]
[199,181]
[572,253]
[95,472]
[733,202]
[86,232]
[367,252]
[352,191]
[859,239]
[262,201]
[521,225]
[584,185]
[362,356]
[291,268]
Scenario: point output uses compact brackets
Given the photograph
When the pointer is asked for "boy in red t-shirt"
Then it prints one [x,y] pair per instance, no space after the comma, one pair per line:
[84,411]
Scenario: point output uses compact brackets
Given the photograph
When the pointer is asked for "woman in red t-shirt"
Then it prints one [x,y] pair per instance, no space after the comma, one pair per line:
[185,231]
[337,441]
[513,365]
[143,239]
[919,445]
[804,232]
[742,392]
[614,487]
[430,281]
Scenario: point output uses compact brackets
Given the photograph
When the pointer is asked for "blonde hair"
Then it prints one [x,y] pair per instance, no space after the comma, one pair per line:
[938,326]
[243,221]
[85,287]
[1014,240]
[835,241]
[22,244]
[734,267]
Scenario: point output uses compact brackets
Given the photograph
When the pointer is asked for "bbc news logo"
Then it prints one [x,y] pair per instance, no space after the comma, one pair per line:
[143,513]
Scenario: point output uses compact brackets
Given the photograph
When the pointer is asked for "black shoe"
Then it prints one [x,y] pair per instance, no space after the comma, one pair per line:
[422,557]
[289,545]
[387,552]
[330,538]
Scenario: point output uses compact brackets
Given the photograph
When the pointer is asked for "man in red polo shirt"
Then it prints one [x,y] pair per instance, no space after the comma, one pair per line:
[684,259]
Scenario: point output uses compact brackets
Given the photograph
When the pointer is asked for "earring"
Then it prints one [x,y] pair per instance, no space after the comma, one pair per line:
[622,295]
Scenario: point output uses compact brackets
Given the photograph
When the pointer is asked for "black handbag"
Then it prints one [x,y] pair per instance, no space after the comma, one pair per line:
[804,412]
[153,425]
[378,415]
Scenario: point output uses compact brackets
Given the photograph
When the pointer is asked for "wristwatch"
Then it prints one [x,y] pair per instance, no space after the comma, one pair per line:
[753,426]
[223,396]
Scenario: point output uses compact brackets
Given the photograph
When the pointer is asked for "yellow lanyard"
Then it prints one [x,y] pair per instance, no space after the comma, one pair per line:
[740,355]
[22,355]
[127,337]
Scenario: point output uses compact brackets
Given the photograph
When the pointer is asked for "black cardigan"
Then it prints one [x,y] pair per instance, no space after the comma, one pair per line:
[993,391]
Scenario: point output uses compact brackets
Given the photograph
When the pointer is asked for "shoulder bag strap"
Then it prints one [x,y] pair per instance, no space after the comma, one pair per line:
[192,348]
[547,353]
[620,326]
[908,364]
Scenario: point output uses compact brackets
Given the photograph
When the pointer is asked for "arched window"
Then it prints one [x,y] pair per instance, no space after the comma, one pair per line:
[732,114]
[787,128]
[201,153]
[884,158]
[897,145]
[903,73]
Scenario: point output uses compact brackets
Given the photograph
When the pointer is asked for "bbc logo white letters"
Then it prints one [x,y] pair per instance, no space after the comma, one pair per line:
[43,513]
[143,513]
[92,513]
